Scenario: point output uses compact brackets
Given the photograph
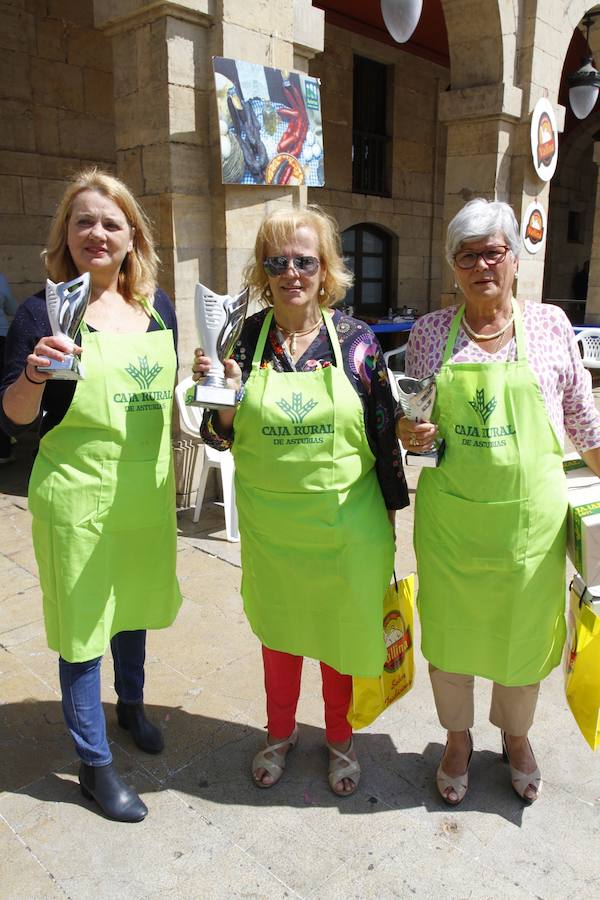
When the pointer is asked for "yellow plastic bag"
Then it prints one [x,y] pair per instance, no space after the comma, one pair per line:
[582,668]
[372,696]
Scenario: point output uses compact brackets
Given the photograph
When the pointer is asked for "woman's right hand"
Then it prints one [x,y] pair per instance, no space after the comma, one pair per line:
[418,437]
[202,364]
[49,347]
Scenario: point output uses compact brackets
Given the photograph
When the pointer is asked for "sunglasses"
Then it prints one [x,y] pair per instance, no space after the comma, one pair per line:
[278,265]
[493,256]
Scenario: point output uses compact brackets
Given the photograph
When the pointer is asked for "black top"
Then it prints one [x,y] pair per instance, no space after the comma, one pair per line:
[28,326]
[364,367]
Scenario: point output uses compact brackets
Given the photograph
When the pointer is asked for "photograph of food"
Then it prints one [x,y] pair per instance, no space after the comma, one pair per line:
[535,227]
[270,125]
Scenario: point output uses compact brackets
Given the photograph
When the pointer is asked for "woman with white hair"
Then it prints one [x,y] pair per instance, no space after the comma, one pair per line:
[490,519]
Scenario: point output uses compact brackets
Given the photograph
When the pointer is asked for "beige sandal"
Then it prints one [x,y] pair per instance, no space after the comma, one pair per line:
[459,784]
[274,769]
[341,766]
[522,780]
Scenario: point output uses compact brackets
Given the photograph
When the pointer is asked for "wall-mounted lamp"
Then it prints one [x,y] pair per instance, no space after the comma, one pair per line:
[584,84]
[401,17]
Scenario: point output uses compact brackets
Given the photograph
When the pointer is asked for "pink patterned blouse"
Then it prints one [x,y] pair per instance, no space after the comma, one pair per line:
[552,353]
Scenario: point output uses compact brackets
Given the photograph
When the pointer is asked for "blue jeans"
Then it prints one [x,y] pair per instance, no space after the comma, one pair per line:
[81,703]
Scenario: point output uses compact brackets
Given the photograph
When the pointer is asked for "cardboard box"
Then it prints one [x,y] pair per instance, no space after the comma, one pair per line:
[583,526]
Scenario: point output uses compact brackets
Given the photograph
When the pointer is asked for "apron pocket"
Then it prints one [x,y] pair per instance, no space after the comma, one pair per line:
[493,535]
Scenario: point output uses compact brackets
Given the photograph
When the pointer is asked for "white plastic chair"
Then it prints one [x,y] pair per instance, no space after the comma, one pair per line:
[190,418]
[589,341]
[398,364]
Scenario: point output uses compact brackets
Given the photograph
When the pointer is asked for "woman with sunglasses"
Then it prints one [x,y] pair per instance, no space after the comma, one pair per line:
[318,480]
[490,520]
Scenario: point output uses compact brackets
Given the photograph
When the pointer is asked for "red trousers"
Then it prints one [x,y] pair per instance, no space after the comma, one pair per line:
[282,685]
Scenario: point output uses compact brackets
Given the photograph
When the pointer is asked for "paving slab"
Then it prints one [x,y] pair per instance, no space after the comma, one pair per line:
[210,832]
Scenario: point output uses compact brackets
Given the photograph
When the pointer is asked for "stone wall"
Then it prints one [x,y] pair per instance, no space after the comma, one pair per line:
[56,108]
[413,212]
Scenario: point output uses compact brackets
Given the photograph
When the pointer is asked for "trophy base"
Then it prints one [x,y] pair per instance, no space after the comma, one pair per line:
[424,460]
[68,369]
[214,397]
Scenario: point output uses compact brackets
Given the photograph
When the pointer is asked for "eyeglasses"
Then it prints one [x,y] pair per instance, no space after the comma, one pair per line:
[492,256]
[278,265]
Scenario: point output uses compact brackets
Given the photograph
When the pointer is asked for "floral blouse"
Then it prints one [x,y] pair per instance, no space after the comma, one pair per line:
[366,370]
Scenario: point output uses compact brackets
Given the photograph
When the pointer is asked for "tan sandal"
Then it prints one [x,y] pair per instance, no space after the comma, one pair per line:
[342,766]
[522,780]
[459,783]
[274,769]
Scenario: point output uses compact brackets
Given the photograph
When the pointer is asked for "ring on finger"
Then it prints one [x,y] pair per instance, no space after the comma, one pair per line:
[413,441]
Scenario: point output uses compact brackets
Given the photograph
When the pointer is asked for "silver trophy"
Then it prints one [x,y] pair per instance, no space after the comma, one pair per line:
[417,398]
[219,320]
[66,303]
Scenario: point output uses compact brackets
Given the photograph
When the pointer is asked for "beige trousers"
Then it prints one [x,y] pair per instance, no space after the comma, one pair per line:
[512,708]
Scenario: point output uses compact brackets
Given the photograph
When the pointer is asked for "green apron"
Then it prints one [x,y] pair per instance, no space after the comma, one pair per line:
[102,497]
[317,545]
[490,524]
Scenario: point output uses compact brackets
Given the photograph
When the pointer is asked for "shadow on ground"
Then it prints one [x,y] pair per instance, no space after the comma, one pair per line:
[209,758]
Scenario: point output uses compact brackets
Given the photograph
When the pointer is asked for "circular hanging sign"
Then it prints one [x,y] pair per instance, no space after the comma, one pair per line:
[544,139]
[533,227]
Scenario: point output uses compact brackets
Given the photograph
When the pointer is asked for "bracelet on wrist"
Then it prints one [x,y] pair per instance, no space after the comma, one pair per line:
[239,394]
[31,380]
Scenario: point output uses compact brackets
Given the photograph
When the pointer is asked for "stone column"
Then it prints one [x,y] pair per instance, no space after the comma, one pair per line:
[592,307]
[162,86]
[167,135]
[285,35]
[481,122]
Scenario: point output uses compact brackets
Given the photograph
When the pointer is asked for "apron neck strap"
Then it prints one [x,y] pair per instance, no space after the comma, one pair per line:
[519,332]
[264,331]
[148,309]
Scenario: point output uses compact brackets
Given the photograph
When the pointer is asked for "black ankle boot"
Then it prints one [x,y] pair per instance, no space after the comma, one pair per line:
[147,736]
[115,798]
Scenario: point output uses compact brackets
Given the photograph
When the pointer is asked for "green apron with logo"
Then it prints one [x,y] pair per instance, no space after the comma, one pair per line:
[102,497]
[317,545]
[490,524]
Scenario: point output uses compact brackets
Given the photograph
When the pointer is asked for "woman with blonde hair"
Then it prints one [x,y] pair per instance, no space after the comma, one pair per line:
[318,480]
[102,490]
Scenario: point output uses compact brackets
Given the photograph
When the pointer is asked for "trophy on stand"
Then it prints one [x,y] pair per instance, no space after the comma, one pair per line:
[219,320]
[66,303]
[417,398]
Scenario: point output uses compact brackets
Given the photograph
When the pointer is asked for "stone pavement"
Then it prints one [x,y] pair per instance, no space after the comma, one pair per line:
[210,833]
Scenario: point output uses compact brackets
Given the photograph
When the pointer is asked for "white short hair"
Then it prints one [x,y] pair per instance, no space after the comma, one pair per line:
[479,219]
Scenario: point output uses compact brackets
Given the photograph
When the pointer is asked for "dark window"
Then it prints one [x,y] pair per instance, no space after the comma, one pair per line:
[367,250]
[575,228]
[369,128]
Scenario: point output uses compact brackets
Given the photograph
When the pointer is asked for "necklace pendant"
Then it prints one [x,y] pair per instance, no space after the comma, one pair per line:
[293,343]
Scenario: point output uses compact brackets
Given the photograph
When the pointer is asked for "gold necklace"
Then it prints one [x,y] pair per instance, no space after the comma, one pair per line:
[486,337]
[294,334]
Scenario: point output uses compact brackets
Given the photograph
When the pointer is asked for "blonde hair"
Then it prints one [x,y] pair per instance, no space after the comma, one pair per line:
[137,277]
[277,229]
